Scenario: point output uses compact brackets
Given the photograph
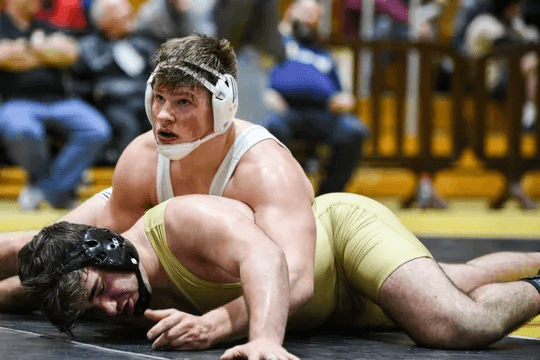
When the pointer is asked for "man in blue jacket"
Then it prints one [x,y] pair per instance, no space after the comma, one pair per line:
[308,100]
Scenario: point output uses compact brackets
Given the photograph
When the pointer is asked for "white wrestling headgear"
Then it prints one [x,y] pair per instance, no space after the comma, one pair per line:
[224,105]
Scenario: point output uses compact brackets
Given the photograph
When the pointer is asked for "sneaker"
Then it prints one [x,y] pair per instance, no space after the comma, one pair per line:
[528,119]
[427,196]
[517,191]
[31,198]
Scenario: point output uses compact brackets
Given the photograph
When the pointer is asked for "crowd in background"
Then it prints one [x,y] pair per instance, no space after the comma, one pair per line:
[76,69]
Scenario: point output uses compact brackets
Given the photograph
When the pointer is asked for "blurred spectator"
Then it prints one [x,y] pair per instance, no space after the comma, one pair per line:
[394,20]
[467,11]
[202,17]
[164,19]
[33,59]
[115,63]
[504,25]
[308,100]
[252,28]
[65,14]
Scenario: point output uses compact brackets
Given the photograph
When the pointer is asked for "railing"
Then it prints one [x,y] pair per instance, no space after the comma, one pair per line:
[501,123]
[393,144]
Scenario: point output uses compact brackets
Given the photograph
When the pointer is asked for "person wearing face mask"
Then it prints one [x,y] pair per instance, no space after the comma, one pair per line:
[307,98]
[197,146]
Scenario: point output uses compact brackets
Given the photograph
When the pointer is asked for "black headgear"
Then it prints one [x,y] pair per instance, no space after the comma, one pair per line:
[107,250]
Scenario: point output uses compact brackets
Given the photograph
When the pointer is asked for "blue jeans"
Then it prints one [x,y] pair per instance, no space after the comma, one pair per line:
[23,125]
[345,133]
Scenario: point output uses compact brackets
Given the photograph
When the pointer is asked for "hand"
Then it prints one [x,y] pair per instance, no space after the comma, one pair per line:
[275,101]
[176,330]
[258,349]
[342,102]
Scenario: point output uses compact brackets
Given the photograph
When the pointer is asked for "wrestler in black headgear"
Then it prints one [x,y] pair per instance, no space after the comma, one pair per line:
[105,249]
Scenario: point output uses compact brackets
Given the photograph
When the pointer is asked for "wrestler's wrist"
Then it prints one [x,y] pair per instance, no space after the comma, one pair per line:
[219,326]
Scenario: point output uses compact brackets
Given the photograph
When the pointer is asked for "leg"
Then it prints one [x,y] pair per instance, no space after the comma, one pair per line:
[423,300]
[346,135]
[281,125]
[492,268]
[24,134]
[89,133]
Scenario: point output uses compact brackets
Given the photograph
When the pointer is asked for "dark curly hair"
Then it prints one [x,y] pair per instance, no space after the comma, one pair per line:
[41,264]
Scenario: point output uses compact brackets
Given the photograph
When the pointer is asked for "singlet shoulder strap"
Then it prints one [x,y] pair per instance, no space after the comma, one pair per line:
[247,139]
[164,188]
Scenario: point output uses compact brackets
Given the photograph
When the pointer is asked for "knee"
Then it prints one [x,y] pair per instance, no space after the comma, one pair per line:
[21,133]
[352,130]
[457,332]
[98,132]
[102,133]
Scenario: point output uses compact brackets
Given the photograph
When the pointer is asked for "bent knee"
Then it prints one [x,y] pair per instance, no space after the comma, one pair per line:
[457,333]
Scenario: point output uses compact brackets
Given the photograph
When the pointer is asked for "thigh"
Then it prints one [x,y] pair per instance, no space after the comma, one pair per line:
[349,128]
[422,299]
[22,118]
[77,115]
[370,242]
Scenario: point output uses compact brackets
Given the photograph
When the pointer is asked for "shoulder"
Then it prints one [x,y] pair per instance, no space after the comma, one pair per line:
[138,163]
[268,173]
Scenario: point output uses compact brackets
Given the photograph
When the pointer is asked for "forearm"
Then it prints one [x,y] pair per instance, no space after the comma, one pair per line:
[263,310]
[58,52]
[231,321]
[15,56]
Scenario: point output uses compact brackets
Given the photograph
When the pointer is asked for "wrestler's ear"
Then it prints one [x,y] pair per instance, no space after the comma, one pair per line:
[148,96]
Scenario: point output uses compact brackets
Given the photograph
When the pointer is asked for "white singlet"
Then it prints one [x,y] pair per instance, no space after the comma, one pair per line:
[251,136]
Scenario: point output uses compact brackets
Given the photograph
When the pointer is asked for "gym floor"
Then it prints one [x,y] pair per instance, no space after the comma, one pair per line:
[465,230]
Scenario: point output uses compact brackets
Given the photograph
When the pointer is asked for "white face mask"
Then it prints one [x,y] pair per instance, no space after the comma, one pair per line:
[178,151]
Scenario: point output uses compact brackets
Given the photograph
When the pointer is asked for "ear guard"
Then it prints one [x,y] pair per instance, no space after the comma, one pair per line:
[224,96]
[106,250]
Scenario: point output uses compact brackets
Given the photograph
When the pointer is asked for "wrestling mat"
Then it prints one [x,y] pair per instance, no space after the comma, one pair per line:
[448,237]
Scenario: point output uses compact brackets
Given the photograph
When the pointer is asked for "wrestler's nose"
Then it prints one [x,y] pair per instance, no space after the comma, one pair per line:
[164,113]
[107,305]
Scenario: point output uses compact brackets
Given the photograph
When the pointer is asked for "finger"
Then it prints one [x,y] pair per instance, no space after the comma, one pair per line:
[231,353]
[157,315]
[165,325]
[162,342]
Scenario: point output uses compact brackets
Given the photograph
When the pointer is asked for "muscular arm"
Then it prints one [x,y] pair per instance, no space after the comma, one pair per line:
[280,195]
[133,182]
[216,234]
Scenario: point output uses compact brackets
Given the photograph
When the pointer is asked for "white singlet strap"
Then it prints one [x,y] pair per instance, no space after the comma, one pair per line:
[164,188]
[251,136]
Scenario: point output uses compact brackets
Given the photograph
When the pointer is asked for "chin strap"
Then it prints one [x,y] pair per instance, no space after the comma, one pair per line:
[143,302]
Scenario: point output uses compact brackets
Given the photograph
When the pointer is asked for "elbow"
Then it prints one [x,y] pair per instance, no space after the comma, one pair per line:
[302,291]
[307,294]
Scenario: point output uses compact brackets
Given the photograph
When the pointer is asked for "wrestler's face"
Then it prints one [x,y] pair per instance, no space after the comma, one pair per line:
[114,293]
[181,114]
